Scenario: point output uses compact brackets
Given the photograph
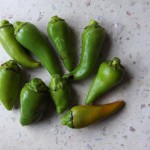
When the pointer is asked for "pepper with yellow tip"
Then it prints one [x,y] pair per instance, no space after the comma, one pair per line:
[82,116]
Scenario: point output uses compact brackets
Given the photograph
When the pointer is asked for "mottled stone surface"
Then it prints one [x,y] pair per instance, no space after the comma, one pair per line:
[127,25]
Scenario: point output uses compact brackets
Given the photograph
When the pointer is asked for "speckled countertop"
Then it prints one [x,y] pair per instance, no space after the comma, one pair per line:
[128,27]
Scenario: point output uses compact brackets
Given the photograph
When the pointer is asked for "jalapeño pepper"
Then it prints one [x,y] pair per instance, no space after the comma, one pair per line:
[59,32]
[110,73]
[32,39]
[10,78]
[13,48]
[34,101]
[82,116]
[92,40]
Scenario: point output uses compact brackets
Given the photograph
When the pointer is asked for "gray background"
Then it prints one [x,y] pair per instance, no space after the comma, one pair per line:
[128,27]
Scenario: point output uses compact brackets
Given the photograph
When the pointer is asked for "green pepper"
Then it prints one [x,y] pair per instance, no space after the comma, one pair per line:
[92,40]
[32,39]
[110,73]
[12,47]
[34,100]
[60,93]
[59,32]
[10,78]
[82,116]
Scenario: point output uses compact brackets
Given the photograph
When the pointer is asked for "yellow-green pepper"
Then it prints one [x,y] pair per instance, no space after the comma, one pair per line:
[82,116]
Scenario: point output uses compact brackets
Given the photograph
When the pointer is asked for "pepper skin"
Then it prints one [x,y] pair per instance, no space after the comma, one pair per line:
[10,78]
[60,93]
[92,40]
[59,32]
[34,100]
[13,48]
[110,73]
[82,116]
[32,39]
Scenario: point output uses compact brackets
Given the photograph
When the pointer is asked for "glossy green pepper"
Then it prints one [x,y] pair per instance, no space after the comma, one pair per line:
[12,47]
[32,39]
[92,40]
[59,32]
[60,93]
[10,78]
[110,73]
[34,101]
[82,116]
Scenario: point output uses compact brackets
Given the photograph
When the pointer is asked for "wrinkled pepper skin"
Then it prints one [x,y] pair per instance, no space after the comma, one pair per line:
[10,78]
[60,93]
[32,39]
[13,48]
[59,32]
[110,73]
[92,40]
[82,116]
[34,101]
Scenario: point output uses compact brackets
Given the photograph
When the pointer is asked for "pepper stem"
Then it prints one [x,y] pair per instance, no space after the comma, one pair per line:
[68,76]
[18,25]
[11,65]
[56,19]
[93,22]
[37,85]
[116,62]
[4,23]
[67,119]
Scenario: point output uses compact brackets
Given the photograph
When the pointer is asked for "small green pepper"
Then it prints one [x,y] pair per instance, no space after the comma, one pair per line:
[92,40]
[59,32]
[110,73]
[10,78]
[32,39]
[12,47]
[60,93]
[34,100]
[82,116]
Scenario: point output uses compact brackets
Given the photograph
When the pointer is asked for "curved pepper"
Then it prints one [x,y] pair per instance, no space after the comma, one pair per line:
[60,93]
[12,47]
[110,73]
[10,77]
[82,116]
[59,32]
[92,40]
[34,100]
[31,38]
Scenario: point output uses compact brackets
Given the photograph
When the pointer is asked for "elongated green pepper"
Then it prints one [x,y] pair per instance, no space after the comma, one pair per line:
[10,77]
[82,116]
[59,32]
[13,48]
[34,100]
[31,38]
[92,40]
[110,73]
[60,93]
